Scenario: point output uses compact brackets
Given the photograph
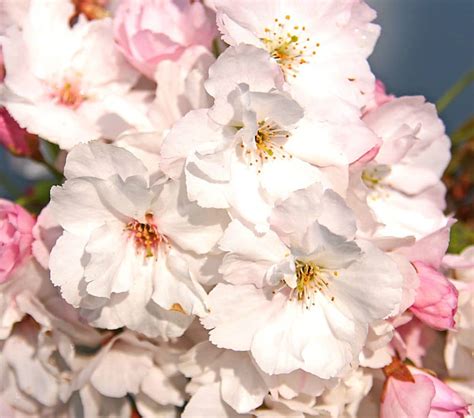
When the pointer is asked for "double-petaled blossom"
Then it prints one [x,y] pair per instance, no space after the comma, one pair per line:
[151,31]
[248,225]
[300,284]
[59,84]
[321,47]
[238,154]
[39,333]
[402,179]
[131,248]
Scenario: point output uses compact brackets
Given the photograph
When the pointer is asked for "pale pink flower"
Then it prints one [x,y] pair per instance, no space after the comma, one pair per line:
[320,46]
[151,31]
[15,237]
[127,241]
[410,392]
[236,382]
[402,183]
[75,93]
[315,292]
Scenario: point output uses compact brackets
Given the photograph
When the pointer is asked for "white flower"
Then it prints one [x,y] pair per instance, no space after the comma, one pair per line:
[308,294]
[60,83]
[255,145]
[122,257]
[180,87]
[344,399]
[240,382]
[402,182]
[321,47]
[147,370]
[39,333]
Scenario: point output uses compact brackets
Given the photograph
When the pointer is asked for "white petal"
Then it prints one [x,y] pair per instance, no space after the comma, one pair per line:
[102,161]
[184,222]
[243,64]
[235,323]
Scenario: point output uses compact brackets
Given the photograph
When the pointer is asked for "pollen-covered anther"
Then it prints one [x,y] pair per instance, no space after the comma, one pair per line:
[69,95]
[146,235]
[375,179]
[311,279]
[268,144]
[289,45]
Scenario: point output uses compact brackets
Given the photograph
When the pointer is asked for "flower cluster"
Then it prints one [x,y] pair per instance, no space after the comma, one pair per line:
[248,225]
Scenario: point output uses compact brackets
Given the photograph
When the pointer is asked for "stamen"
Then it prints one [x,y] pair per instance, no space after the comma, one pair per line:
[268,145]
[311,279]
[146,235]
[289,45]
[69,95]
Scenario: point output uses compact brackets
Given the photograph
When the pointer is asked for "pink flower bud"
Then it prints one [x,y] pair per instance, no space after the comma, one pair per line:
[150,31]
[436,298]
[16,139]
[410,392]
[15,237]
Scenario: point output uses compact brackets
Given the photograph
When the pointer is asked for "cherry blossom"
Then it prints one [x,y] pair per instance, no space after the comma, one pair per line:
[320,47]
[80,87]
[151,31]
[122,255]
[307,276]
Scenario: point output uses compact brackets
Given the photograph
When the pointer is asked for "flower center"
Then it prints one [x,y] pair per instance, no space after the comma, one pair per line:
[146,235]
[70,95]
[311,279]
[268,144]
[289,45]
[373,178]
[92,9]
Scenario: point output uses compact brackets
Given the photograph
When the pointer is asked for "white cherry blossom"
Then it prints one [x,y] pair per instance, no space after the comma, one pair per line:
[402,181]
[122,255]
[309,294]
[321,47]
[59,83]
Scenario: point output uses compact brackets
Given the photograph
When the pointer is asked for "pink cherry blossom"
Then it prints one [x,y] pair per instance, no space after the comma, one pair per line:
[410,392]
[150,31]
[15,237]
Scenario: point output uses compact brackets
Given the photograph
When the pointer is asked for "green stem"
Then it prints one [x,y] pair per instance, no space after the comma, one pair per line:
[454,91]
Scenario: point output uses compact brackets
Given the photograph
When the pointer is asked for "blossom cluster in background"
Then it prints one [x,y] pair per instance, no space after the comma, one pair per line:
[243,222]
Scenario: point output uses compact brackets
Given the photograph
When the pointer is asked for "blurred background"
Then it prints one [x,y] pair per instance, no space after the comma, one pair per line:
[425,47]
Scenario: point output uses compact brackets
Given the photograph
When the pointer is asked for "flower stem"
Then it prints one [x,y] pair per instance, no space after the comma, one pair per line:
[454,91]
